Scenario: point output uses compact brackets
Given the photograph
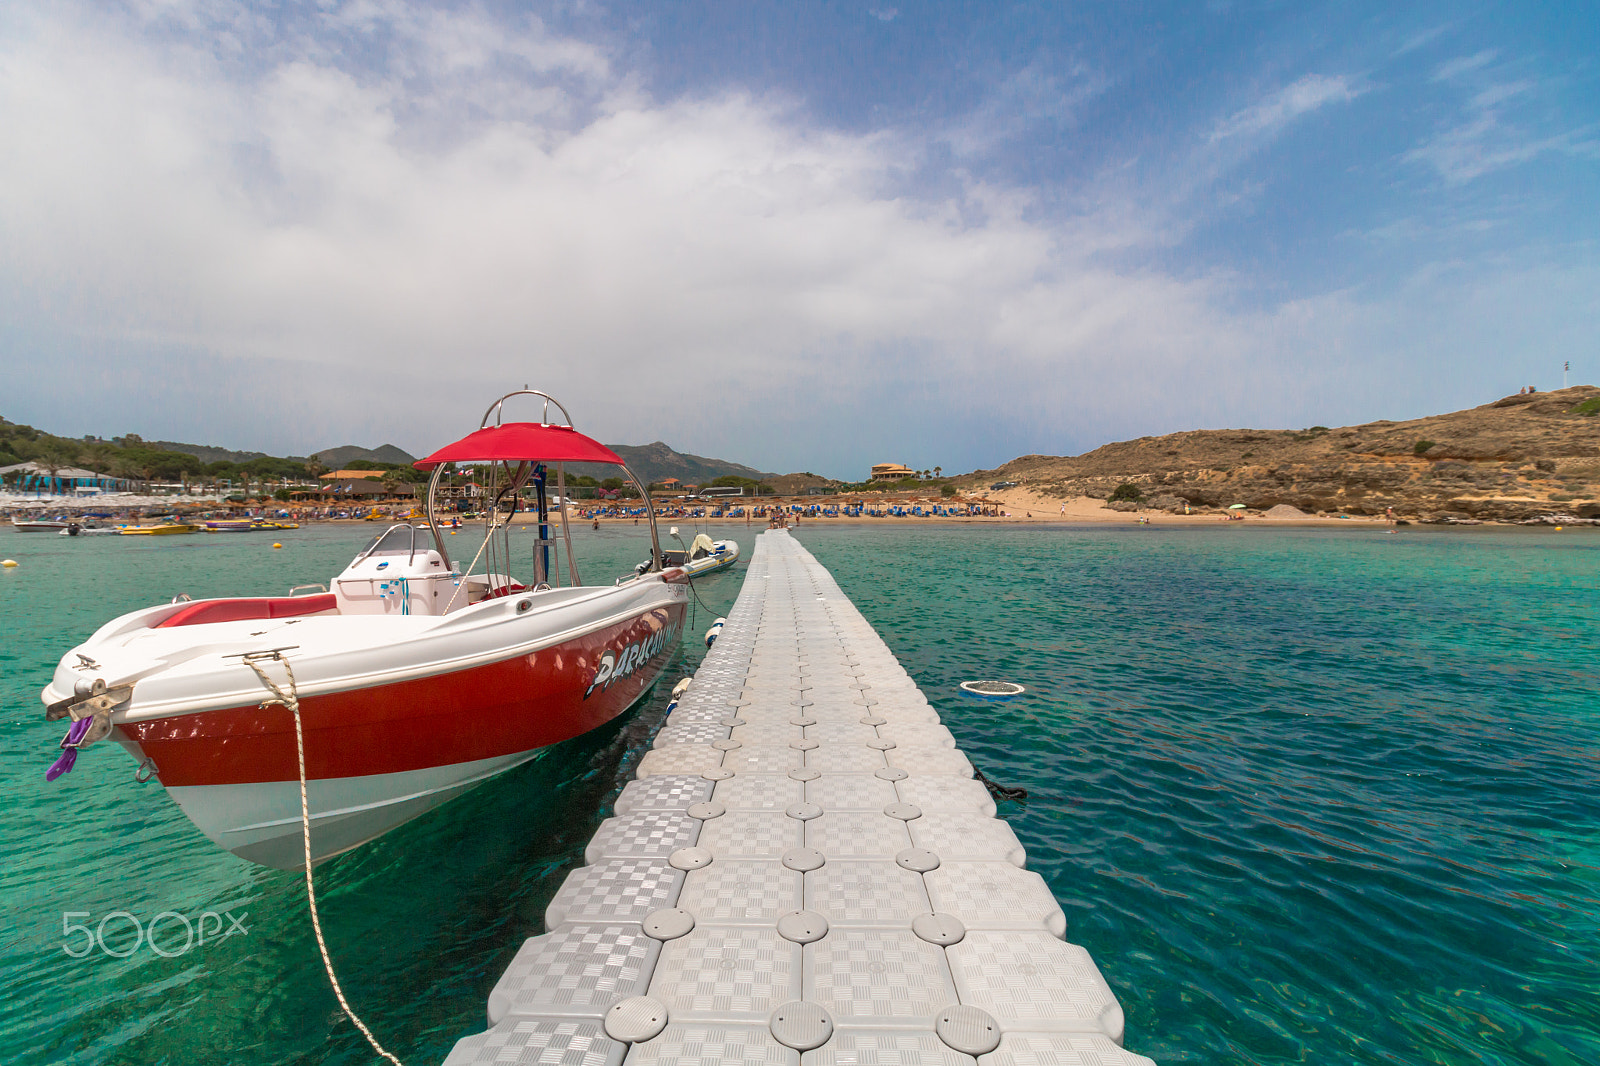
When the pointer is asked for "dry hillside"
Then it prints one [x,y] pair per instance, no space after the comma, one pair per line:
[1516,458]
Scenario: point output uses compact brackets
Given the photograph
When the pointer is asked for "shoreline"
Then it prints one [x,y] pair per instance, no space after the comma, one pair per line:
[1016,507]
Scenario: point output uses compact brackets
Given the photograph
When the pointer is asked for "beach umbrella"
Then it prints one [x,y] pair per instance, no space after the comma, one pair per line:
[1236,506]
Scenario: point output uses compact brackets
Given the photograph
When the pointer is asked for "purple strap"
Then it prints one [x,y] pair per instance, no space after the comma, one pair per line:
[69,745]
[62,765]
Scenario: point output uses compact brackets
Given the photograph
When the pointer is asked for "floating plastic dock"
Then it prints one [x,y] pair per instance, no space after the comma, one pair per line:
[804,872]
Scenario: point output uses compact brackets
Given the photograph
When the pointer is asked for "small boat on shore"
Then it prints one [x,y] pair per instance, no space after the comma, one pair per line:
[413,680]
[230,525]
[38,525]
[164,529]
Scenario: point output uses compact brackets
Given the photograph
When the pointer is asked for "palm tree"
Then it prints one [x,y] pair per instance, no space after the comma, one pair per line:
[938,470]
[55,455]
[122,468]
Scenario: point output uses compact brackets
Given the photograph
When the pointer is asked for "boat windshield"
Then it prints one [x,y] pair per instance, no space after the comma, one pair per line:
[396,540]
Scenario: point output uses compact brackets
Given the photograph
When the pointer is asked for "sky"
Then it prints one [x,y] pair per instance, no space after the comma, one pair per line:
[801,236]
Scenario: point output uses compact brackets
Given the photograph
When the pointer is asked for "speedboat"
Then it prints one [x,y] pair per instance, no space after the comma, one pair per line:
[703,555]
[162,529]
[230,525]
[38,525]
[412,680]
[75,530]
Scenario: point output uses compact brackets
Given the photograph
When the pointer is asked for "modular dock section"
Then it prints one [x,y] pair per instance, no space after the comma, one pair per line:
[805,872]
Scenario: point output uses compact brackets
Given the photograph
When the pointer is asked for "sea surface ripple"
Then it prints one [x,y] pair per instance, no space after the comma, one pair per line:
[1306,795]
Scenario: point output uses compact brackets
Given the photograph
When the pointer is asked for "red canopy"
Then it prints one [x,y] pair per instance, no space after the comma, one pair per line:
[515,441]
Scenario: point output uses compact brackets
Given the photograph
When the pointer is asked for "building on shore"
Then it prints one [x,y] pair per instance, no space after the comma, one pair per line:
[40,478]
[891,472]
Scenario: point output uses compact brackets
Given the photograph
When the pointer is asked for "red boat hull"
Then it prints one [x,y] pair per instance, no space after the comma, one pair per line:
[483,712]
[379,756]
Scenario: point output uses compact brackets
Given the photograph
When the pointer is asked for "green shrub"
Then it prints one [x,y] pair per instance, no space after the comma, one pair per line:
[1127,491]
[1421,446]
[1591,406]
[947,491]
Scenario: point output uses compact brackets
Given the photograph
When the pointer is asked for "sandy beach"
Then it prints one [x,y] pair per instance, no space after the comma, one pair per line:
[1003,507]
[1015,506]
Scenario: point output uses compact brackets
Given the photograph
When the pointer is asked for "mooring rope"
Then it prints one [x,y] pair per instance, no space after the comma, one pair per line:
[999,791]
[291,701]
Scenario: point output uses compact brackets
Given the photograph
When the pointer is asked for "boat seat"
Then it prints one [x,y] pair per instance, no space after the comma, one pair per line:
[236,610]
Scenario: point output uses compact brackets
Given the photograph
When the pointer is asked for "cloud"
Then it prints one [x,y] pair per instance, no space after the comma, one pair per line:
[1486,135]
[405,221]
[1042,92]
[1455,68]
[1484,144]
[1284,106]
[358,224]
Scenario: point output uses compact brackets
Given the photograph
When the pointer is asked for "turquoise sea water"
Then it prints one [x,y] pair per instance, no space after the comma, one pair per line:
[1306,795]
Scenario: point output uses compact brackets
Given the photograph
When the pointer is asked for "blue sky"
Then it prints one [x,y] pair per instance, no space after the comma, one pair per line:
[801,236]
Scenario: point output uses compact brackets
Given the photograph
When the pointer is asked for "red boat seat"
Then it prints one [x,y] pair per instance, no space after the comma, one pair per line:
[241,609]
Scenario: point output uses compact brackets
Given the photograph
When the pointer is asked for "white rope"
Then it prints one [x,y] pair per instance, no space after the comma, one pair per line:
[494,524]
[291,700]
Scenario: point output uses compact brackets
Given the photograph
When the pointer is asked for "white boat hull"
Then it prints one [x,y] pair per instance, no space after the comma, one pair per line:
[260,821]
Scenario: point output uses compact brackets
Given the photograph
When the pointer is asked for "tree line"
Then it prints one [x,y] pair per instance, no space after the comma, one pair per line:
[129,458]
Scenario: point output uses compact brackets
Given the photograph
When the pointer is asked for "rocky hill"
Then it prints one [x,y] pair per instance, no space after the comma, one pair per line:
[1514,459]
[337,458]
[658,461]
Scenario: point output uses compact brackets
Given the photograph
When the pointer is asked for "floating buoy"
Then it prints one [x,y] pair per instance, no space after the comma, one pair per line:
[992,690]
[677,692]
[8,563]
[275,544]
[715,631]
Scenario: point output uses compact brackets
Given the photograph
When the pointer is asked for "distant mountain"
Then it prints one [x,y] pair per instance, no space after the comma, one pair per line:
[206,453]
[336,458]
[659,461]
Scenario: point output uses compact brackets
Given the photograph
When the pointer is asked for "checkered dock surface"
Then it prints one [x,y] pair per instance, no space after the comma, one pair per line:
[805,872]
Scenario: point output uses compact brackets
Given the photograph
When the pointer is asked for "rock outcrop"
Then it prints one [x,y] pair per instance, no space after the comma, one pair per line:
[1517,459]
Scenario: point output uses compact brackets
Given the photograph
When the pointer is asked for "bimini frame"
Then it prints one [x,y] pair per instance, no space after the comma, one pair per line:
[495,410]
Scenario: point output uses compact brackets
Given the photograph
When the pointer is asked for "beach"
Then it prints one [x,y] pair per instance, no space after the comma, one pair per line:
[999,507]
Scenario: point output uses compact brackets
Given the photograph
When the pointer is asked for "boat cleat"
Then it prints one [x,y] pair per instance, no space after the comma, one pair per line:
[92,702]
